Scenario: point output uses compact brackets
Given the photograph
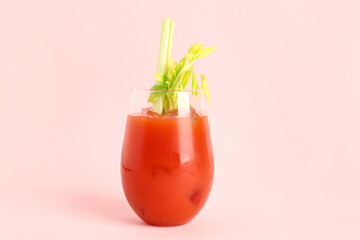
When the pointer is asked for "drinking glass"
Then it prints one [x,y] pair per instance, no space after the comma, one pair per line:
[167,162]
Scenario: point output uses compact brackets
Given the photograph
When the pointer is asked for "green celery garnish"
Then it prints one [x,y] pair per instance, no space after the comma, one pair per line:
[172,76]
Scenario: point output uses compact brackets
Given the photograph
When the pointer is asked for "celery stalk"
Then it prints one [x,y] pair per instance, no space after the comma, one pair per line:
[164,58]
[169,46]
[164,42]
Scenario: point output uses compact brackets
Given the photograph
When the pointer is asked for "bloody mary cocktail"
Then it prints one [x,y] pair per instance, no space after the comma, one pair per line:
[167,163]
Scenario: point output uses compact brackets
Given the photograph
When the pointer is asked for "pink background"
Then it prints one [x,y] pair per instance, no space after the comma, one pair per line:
[284,114]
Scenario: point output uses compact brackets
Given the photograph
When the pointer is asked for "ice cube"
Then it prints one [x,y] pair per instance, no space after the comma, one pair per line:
[194,115]
[173,113]
[149,112]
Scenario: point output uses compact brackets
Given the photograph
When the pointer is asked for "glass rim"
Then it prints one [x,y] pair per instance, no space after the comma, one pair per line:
[169,91]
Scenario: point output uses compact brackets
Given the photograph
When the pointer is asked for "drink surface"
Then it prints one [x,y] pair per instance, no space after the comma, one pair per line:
[167,167]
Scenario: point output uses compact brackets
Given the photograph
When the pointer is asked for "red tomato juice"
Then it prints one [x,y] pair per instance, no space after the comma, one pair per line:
[167,167]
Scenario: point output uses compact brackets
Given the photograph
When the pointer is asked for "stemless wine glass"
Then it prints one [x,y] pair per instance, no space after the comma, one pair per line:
[167,163]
